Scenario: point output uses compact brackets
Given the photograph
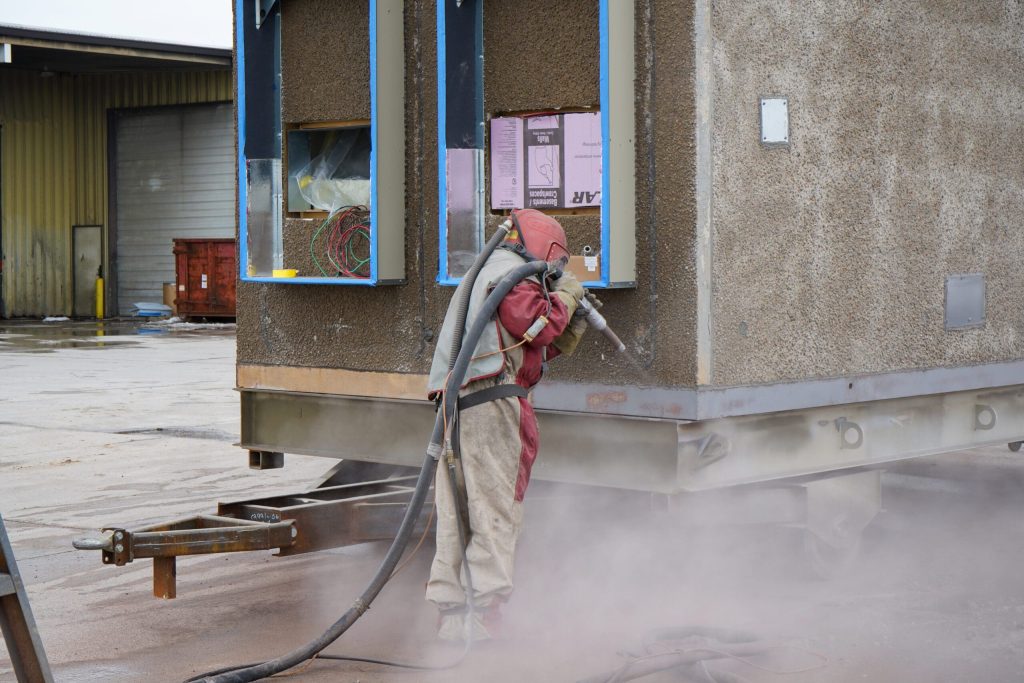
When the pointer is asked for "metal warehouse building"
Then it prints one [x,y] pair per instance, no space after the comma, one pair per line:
[110,149]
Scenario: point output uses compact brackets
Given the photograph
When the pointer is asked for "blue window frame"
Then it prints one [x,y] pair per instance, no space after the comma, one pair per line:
[259,143]
[461,139]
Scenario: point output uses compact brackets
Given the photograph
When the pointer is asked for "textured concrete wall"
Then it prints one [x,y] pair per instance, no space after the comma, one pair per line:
[905,166]
[541,55]
[530,64]
[325,61]
[383,328]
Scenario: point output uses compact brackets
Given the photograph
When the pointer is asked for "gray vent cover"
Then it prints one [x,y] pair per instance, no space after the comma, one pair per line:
[965,301]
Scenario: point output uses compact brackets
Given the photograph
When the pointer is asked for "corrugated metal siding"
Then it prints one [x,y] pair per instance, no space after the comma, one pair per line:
[175,179]
[54,168]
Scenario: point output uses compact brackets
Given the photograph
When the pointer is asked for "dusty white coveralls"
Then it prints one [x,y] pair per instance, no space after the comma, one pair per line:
[498,439]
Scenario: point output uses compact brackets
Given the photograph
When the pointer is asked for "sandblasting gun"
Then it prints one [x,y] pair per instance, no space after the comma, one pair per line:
[597,321]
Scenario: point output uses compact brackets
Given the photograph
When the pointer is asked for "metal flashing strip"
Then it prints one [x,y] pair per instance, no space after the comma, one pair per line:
[374,137]
[605,88]
[24,35]
[460,112]
[708,403]
[630,401]
[659,403]
[618,153]
[703,93]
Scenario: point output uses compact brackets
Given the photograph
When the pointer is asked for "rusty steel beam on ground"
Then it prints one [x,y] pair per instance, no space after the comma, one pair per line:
[165,577]
[199,535]
[327,517]
[334,516]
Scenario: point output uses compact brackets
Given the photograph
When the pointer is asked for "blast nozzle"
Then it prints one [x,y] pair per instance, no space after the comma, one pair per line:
[597,321]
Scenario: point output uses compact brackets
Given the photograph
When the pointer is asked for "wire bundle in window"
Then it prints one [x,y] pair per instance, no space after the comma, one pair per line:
[343,239]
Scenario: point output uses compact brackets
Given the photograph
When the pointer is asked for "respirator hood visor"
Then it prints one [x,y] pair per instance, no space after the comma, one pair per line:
[541,235]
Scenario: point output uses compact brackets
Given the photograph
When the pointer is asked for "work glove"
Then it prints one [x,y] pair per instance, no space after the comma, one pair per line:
[569,290]
[571,335]
[594,301]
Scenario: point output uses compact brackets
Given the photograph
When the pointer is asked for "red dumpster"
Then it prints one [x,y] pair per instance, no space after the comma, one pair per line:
[206,272]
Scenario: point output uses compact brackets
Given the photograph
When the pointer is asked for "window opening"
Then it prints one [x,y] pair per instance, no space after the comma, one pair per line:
[349,176]
[560,162]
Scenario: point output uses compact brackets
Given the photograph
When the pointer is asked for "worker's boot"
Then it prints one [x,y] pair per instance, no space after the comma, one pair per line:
[490,619]
[454,624]
[451,624]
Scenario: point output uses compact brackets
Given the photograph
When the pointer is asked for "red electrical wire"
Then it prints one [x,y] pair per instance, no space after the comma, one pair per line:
[340,243]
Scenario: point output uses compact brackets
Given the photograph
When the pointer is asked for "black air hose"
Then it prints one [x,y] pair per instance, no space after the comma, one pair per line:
[394,554]
[468,280]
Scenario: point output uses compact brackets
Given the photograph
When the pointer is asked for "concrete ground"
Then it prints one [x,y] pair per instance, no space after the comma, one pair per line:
[136,426]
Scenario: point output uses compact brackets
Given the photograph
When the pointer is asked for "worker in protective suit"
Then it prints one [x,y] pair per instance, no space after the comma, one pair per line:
[496,434]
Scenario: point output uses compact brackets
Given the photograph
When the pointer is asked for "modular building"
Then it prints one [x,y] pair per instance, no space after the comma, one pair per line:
[803,219]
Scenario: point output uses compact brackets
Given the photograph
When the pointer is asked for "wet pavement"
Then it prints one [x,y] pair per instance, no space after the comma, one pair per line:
[129,427]
[32,336]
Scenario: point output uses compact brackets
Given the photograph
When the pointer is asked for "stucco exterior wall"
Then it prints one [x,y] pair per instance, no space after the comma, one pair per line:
[391,328]
[906,118]
[325,61]
[387,328]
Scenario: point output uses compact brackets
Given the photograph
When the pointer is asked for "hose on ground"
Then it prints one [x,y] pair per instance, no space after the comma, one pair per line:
[433,452]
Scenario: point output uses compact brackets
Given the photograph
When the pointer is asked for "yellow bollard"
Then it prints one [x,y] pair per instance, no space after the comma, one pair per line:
[99,298]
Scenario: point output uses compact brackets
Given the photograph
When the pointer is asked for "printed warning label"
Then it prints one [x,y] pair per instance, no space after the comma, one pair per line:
[542,146]
[506,163]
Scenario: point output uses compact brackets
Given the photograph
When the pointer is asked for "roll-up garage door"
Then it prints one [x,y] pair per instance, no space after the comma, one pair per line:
[175,179]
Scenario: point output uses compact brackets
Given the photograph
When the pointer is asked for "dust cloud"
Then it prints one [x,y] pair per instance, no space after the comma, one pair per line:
[934,593]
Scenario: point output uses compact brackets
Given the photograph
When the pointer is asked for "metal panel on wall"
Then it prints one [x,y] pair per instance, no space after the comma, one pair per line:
[86,266]
[175,179]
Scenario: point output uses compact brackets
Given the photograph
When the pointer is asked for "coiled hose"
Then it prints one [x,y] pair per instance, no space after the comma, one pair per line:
[433,452]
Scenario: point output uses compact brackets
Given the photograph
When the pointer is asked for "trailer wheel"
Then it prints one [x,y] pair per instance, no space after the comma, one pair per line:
[1014,445]
[828,559]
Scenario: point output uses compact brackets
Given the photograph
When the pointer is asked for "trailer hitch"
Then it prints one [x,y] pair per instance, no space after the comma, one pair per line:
[326,517]
[198,535]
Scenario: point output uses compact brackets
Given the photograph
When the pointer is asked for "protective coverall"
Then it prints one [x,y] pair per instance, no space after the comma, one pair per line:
[498,442]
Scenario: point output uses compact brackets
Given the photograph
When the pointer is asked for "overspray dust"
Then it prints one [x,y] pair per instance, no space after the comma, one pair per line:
[934,594]
[631,359]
